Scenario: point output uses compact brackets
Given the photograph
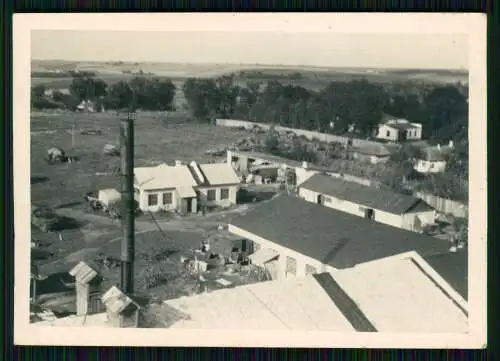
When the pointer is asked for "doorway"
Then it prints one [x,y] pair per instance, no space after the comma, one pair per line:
[189,205]
[369,213]
[319,199]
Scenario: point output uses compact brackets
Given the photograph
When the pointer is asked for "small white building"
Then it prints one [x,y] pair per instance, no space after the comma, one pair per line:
[217,183]
[381,205]
[397,129]
[373,153]
[433,159]
[185,187]
[165,187]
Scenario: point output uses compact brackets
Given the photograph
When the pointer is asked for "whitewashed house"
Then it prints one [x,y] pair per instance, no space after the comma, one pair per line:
[217,183]
[165,187]
[397,129]
[433,159]
[298,238]
[380,205]
[184,187]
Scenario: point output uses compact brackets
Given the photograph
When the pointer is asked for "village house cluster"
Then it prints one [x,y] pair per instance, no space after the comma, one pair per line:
[358,250]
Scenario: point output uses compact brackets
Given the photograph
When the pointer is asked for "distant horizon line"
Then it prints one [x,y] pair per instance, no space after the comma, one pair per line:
[459,69]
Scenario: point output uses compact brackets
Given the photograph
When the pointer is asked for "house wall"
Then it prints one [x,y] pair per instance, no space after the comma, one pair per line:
[233,190]
[427,217]
[143,200]
[424,166]
[387,133]
[301,260]
[415,133]
[390,219]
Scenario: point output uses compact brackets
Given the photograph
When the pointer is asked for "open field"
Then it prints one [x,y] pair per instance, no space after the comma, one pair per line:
[156,140]
[311,77]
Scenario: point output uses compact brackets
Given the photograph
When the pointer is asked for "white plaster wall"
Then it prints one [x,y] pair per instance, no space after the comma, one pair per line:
[233,190]
[424,166]
[382,133]
[143,200]
[427,217]
[301,259]
[390,219]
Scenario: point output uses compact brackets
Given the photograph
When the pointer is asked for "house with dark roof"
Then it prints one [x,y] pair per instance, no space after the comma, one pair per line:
[433,159]
[377,204]
[398,129]
[374,152]
[185,187]
[309,238]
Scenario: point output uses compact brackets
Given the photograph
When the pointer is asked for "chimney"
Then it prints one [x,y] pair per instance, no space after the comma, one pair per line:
[178,163]
[305,165]
[128,204]
[450,144]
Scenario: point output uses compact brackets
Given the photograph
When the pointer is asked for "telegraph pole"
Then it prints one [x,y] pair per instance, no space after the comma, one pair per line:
[128,203]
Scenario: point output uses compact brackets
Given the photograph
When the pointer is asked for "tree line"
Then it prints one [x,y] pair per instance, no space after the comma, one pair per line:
[139,93]
[341,107]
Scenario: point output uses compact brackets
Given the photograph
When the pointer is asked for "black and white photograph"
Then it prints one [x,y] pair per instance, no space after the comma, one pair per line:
[317,182]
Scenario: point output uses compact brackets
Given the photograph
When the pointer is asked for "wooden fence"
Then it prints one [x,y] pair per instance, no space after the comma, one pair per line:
[444,205]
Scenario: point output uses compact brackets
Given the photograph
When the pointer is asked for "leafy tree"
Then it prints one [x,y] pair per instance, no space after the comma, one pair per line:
[443,106]
[38,91]
[87,87]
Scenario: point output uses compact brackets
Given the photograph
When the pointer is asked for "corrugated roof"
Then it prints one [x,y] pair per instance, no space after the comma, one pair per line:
[371,197]
[115,300]
[397,296]
[330,236]
[298,304]
[164,176]
[83,273]
[454,268]
[219,173]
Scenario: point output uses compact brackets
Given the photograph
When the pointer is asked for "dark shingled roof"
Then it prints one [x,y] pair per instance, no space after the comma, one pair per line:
[336,238]
[371,197]
[454,268]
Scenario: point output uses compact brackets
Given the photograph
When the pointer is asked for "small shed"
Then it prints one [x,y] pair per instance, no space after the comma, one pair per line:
[122,311]
[88,293]
[109,196]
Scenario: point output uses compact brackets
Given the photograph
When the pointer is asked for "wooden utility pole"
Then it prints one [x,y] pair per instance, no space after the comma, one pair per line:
[128,203]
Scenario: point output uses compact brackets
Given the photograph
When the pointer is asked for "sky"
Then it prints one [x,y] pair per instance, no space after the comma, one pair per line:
[437,51]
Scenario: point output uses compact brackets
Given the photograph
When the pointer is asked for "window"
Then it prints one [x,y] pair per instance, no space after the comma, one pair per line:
[432,165]
[291,266]
[167,198]
[211,195]
[224,193]
[310,270]
[152,199]
[387,133]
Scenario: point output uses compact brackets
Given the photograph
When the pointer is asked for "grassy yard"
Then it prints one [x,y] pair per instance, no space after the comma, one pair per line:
[156,140]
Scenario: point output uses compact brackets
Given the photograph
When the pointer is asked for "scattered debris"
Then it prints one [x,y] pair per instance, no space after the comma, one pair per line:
[91,132]
[111,150]
[223,282]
